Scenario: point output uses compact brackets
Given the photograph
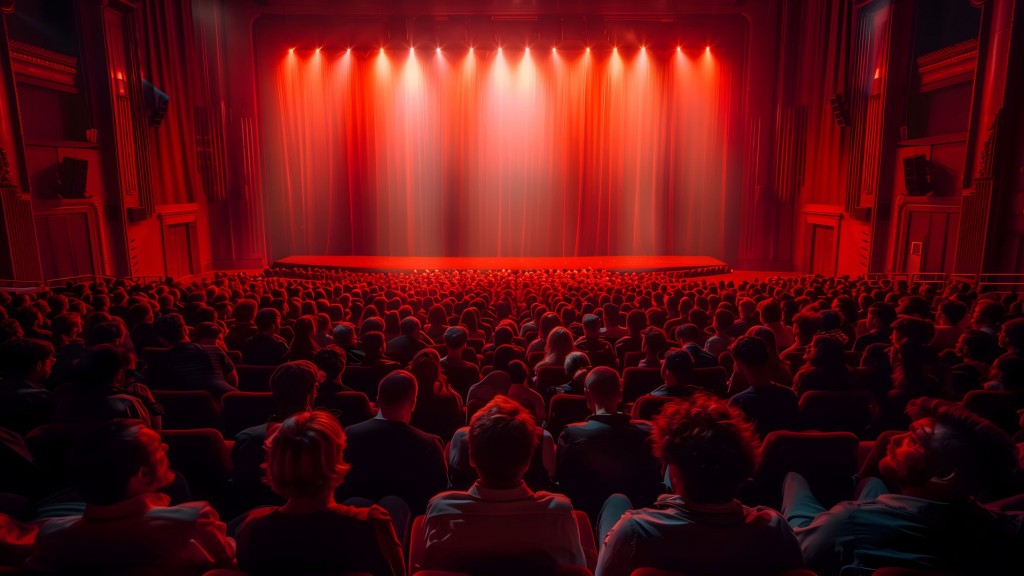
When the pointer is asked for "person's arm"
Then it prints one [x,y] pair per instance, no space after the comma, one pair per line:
[616,555]
[387,559]
[215,549]
[821,539]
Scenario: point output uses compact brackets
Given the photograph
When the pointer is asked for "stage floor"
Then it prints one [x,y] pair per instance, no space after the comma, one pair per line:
[406,264]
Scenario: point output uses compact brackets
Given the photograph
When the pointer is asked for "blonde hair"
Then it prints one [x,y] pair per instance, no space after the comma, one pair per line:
[304,455]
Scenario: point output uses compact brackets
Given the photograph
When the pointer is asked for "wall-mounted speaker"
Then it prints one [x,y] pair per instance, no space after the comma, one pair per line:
[916,175]
[156,102]
[73,174]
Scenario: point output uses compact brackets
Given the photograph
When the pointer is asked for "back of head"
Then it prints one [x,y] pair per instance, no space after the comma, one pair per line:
[373,343]
[517,372]
[1008,370]
[293,386]
[245,310]
[827,353]
[331,360]
[806,325]
[688,333]
[977,345]
[171,328]
[771,311]
[267,318]
[884,314]
[636,321]
[712,448]
[502,437]
[575,362]
[751,352]
[455,337]
[410,325]
[953,311]
[396,390]
[654,340]
[679,364]
[20,356]
[344,334]
[425,366]
[603,386]
[1012,335]
[106,459]
[559,342]
[591,324]
[913,329]
[305,457]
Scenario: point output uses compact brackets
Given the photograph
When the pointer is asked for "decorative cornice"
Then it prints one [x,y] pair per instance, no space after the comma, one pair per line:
[34,62]
[946,63]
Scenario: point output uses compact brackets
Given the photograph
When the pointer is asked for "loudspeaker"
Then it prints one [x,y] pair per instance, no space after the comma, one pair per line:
[916,175]
[74,173]
[156,102]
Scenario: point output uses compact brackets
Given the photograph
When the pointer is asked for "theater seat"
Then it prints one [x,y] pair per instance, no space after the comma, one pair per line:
[828,460]
[637,382]
[548,376]
[838,411]
[233,572]
[587,542]
[241,410]
[648,407]
[350,407]
[254,378]
[566,409]
[202,457]
[632,359]
[996,406]
[188,409]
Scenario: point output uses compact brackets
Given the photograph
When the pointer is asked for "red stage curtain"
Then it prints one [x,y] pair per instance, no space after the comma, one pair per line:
[167,50]
[406,154]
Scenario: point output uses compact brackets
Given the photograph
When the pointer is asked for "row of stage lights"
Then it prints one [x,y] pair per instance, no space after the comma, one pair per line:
[554,50]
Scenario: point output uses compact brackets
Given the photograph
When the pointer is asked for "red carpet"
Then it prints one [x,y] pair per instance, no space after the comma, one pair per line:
[405,264]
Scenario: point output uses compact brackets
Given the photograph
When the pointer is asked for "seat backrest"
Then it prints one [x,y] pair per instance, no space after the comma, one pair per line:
[632,359]
[548,376]
[838,411]
[476,344]
[533,358]
[241,410]
[997,406]
[362,379]
[852,358]
[795,360]
[202,457]
[637,382]
[714,379]
[566,409]
[188,409]
[647,407]
[350,407]
[254,378]
[828,460]
[602,359]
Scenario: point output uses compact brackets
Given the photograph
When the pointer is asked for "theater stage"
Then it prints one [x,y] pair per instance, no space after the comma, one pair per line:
[697,265]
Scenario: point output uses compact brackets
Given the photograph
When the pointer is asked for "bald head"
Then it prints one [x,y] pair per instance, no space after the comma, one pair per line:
[603,389]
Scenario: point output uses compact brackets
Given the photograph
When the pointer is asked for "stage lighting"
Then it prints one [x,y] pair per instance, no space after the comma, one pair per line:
[499,49]
[381,50]
[438,49]
[470,49]
[707,49]
[588,49]
[554,50]
[643,48]
[679,48]
[291,50]
[411,50]
[348,51]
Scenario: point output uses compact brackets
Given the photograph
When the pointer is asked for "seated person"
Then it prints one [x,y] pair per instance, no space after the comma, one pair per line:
[690,338]
[25,365]
[880,319]
[949,324]
[597,348]
[293,387]
[404,347]
[459,373]
[1007,373]
[266,347]
[609,453]
[976,349]
[499,525]
[636,324]
[374,346]
[677,372]
[654,345]
[331,361]
[577,366]
[310,533]
[710,451]
[520,392]
[769,405]
[191,366]
[389,457]
[947,459]
[345,337]
[118,470]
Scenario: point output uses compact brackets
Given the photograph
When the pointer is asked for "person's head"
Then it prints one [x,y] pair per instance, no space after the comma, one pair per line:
[826,353]
[293,386]
[373,344]
[1011,337]
[455,339]
[518,372]
[752,357]
[987,314]
[881,316]
[208,333]
[771,311]
[611,315]
[949,453]
[677,367]
[331,361]
[344,335]
[425,366]
[26,359]
[977,346]
[502,437]
[503,335]
[603,389]
[591,326]
[396,396]
[268,321]
[636,321]
[305,456]
[709,449]
[559,343]
[724,320]
[66,326]
[118,460]
[410,326]
[654,342]
[171,329]
[913,329]
[688,333]
[1008,370]
[951,312]
[436,316]
[575,363]
[504,354]
[805,326]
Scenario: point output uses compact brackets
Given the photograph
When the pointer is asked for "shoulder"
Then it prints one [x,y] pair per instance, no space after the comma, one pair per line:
[554,502]
[189,512]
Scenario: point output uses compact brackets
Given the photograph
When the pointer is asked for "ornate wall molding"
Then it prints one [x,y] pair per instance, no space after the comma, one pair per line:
[950,65]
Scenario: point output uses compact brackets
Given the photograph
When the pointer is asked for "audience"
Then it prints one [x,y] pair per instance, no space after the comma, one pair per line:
[769,405]
[266,347]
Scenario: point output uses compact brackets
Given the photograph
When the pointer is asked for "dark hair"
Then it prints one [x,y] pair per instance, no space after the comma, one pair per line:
[293,386]
[679,364]
[330,359]
[19,356]
[106,458]
[517,371]
[884,313]
[750,351]
[396,388]
[978,345]
[502,437]
[688,333]
[953,310]
[170,327]
[267,318]
[806,324]
[710,443]
[455,337]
